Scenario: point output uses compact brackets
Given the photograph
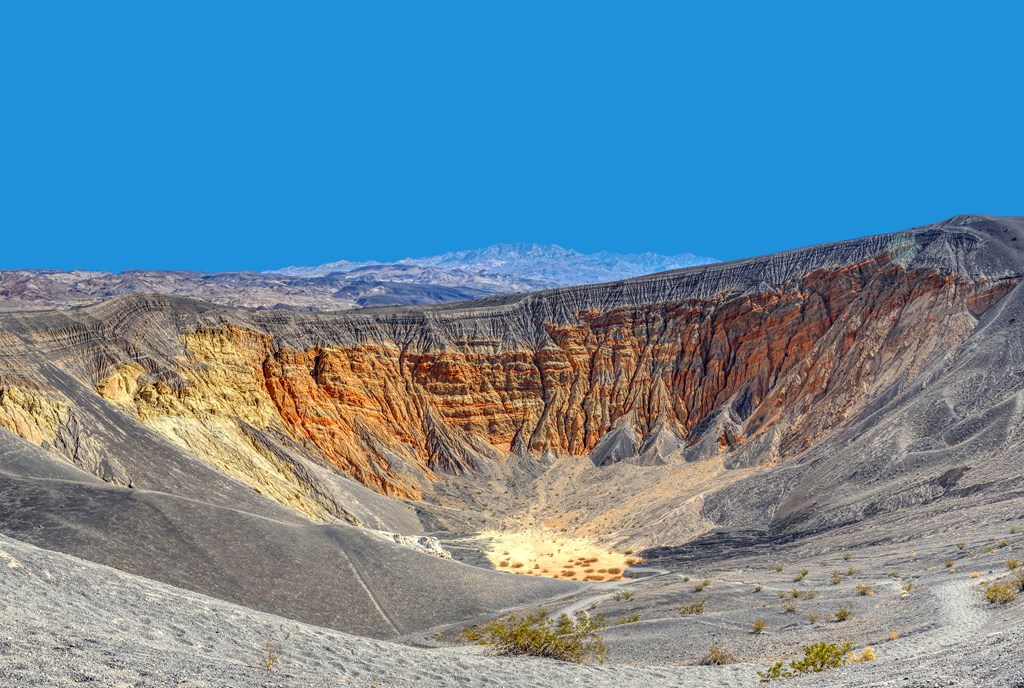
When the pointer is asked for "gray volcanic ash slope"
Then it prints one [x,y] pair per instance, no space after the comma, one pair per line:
[776,410]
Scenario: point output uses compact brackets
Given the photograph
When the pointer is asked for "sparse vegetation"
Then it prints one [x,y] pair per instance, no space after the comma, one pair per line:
[802,594]
[1001,593]
[864,590]
[631,618]
[907,588]
[623,596]
[759,626]
[837,578]
[800,576]
[893,635]
[717,656]
[812,616]
[843,614]
[851,571]
[949,563]
[270,656]
[789,607]
[758,588]
[696,607]
[961,545]
[566,638]
[701,585]
[847,556]
[1012,564]
[778,568]
[865,655]
[817,657]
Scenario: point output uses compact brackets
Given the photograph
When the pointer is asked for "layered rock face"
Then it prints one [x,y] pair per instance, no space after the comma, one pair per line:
[750,363]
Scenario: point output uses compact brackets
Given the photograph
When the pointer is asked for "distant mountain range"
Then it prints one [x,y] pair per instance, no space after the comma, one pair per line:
[543,265]
[343,285]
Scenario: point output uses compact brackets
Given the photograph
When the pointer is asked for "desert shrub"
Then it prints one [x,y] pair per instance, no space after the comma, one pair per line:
[789,607]
[817,657]
[701,585]
[837,578]
[864,590]
[696,607]
[778,568]
[566,638]
[949,563]
[759,626]
[812,616]
[893,635]
[614,570]
[1017,578]
[851,571]
[623,620]
[800,576]
[847,556]
[1012,564]
[865,655]
[623,596]
[758,588]
[843,614]
[907,588]
[270,656]
[894,574]
[961,545]
[633,561]
[717,656]
[1001,593]
[803,594]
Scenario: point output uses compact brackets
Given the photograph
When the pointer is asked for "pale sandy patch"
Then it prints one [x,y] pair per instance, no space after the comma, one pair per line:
[538,552]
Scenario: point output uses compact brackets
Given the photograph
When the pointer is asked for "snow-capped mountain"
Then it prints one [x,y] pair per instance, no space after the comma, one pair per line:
[542,264]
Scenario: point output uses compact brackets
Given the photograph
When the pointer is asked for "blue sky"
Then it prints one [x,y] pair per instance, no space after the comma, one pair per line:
[217,136]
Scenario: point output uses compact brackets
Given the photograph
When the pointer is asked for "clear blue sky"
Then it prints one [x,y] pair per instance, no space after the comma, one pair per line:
[217,135]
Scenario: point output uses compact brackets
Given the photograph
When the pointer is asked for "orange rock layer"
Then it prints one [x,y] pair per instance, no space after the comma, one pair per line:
[783,365]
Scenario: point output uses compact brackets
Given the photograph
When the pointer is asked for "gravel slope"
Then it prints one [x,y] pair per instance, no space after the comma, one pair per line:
[64,621]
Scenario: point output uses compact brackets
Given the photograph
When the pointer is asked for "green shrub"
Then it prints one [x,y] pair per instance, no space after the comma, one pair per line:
[778,568]
[632,618]
[566,638]
[843,614]
[817,657]
[759,626]
[692,608]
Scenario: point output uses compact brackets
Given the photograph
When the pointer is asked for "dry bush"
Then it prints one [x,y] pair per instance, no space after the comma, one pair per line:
[864,590]
[1001,593]
[692,608]
[717,656]
[759,626]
